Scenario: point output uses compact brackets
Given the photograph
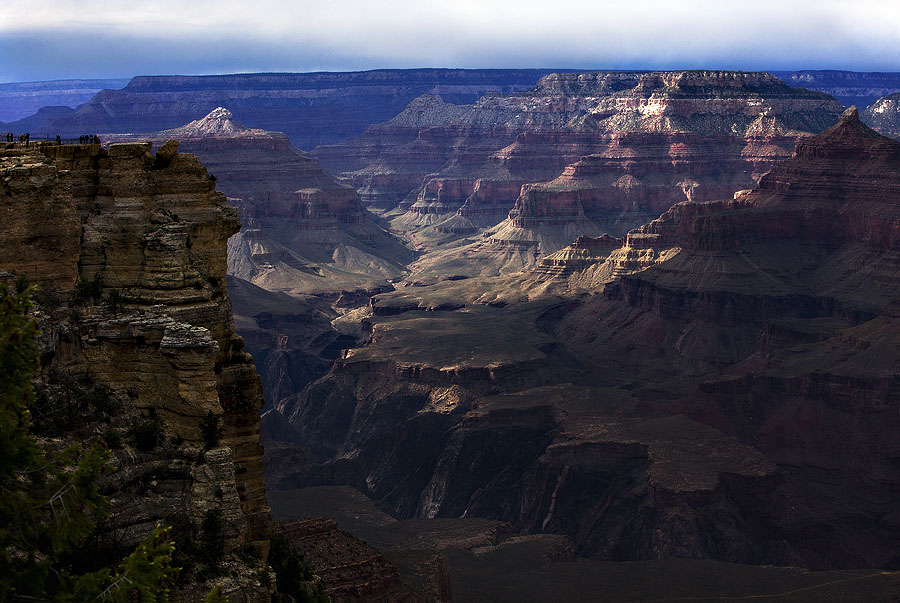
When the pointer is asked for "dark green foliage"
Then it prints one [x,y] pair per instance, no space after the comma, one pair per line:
[18,361]
[85,289]
[64,404]
[249,553]
[49,505]
[211,431]
[292,577]
[112,439]
[216,595]
[187,547]
[147,434]
[144,575]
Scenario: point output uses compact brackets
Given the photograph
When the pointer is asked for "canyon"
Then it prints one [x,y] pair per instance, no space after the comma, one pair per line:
[312,108]
[508,339]
[694,402]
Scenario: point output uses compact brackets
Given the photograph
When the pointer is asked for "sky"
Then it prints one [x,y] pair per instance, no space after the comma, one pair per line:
[62,39]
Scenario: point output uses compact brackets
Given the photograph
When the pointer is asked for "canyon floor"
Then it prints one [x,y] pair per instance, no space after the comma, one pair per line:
[486,562]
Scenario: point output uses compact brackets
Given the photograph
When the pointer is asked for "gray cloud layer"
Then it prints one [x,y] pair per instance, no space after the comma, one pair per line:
[112,38]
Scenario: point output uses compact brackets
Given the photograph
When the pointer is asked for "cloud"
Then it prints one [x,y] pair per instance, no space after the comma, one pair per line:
[111,38]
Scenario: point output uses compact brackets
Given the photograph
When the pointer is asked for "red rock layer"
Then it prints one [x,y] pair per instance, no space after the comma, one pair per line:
[260,169]
[841,186]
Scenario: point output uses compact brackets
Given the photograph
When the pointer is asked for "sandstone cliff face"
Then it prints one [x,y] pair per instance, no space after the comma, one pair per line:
[134,256]
[732,394]
[674,136]
[786,291]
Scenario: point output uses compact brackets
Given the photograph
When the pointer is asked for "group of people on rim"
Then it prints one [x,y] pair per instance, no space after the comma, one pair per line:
[26,138]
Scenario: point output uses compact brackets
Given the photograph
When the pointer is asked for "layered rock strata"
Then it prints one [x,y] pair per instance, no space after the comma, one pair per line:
[129,258]
[579,154]
[584,252]
[667,140]
[787,289]
[21,99]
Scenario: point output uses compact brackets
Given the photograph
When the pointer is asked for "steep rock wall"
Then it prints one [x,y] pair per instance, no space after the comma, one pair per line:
[137,254]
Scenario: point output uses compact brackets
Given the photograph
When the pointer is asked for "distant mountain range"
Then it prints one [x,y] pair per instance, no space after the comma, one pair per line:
[311,108]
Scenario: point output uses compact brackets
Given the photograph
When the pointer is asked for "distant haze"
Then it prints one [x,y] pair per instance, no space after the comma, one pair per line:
[55,39]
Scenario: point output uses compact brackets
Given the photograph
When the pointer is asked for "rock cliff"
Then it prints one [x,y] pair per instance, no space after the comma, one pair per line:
[349,569]
[129,257]
[674,136]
